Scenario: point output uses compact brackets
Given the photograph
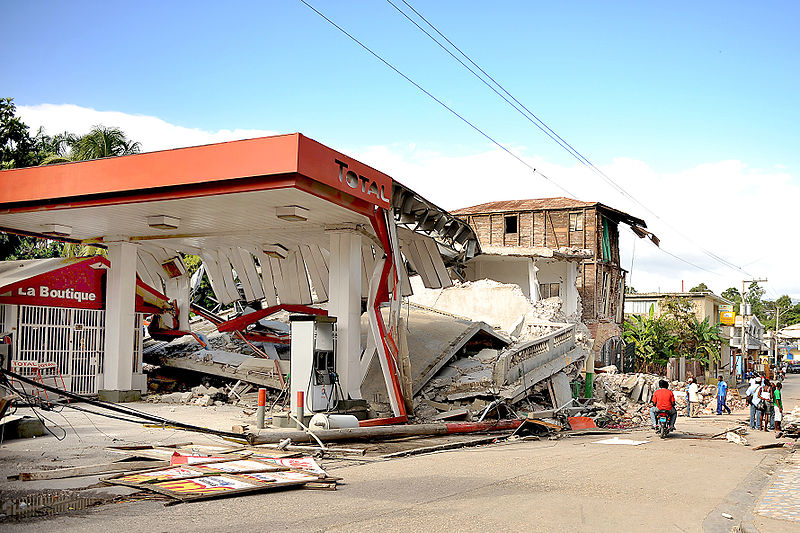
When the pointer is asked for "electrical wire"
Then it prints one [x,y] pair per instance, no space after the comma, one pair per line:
[541,125]
[437,100]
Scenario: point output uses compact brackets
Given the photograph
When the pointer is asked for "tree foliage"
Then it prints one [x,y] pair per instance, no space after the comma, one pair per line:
[19,149]
[702,287]
[676,332]
[100,142]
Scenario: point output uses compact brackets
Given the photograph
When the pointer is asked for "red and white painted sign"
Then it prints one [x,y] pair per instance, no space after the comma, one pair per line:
[77,284]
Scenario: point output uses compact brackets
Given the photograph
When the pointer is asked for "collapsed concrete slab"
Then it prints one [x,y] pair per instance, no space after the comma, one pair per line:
[434,338]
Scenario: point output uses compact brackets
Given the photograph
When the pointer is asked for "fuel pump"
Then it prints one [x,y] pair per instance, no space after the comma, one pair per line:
[313,362]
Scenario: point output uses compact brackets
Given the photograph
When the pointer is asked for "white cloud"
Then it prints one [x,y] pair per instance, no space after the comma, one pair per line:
[743,214]
[152,132]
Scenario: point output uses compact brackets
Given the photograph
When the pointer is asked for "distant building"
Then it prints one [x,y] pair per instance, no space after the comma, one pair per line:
[567,226]
[705,304]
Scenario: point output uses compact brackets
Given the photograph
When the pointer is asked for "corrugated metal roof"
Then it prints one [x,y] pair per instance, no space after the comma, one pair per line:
[538,204]
[533,204]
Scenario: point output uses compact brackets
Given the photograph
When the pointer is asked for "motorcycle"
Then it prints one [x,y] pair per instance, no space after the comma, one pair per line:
[662,418]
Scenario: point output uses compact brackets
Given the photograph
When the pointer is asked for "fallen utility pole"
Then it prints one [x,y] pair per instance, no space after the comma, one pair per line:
[414,430]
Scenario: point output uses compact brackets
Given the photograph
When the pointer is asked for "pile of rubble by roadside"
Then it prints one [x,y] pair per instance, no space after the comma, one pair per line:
[240,394]
[626,397]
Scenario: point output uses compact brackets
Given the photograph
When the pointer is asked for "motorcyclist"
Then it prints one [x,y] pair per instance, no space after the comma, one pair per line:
[663,400]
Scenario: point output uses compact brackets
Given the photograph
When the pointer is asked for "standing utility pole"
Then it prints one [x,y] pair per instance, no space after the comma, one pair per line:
[743,311]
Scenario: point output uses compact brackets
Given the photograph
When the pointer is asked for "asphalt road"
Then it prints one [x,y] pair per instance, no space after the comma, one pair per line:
[682,483]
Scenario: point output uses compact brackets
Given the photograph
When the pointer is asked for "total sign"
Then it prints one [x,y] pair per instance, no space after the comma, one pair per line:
[65,283]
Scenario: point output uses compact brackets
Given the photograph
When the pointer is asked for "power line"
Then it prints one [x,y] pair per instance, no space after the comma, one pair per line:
[541,125]
[566,145]
[434,98]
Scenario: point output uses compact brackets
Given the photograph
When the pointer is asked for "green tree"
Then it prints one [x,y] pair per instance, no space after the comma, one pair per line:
[17,148]
[732,294]
[100,142]
[655,342]
[704,341]
[700,288]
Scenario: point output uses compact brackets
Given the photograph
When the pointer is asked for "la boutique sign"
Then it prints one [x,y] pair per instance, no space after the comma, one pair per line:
[76,283]
[46,292]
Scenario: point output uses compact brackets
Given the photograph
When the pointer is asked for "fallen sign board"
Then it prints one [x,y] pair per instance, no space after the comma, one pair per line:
[201,481]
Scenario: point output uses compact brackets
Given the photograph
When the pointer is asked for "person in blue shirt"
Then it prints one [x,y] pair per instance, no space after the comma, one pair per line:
[722,392]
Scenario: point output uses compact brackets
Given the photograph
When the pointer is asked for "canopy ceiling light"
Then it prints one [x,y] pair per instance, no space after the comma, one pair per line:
[57,230]
[293,213]
[163,222]
[276,250]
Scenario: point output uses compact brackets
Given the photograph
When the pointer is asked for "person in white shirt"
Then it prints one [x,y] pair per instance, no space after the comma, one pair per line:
[755,384]
[693,398]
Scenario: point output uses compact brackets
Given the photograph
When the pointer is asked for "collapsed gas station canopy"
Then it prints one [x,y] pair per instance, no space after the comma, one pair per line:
[275,220]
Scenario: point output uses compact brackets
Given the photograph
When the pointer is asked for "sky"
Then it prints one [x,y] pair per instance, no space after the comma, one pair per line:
[689,108]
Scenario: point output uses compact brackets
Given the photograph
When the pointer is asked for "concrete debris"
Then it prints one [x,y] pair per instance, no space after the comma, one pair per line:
[502,305]
[626,396]
[535,374]
[736,438]
[206,396]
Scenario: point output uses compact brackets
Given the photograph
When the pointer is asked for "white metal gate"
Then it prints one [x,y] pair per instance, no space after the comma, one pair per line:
[70,338]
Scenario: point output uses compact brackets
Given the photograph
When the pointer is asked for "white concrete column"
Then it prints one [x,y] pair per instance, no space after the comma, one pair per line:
[571,289]
[120,310]
[344,303]
[533,281]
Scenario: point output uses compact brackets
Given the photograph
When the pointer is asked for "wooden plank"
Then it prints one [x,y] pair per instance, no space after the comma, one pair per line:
[443,447]
[89,470]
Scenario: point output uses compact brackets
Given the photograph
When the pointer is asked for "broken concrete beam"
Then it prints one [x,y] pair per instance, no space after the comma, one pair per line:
[561,391]
[636,391]
[453,414]
[627,384]
[519,390]
[523,358]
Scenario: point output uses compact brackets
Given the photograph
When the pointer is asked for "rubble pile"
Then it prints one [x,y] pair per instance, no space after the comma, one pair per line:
[624,398]
[791,422]
[628,395]
[240,394]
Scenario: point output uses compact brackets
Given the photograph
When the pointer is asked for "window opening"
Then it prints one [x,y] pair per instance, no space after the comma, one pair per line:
[511,223]
[576,221]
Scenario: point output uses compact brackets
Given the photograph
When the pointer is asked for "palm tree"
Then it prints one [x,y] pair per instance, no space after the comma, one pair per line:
[66,147]
[101,141]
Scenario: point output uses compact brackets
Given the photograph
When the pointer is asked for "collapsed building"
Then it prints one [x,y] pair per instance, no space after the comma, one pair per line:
[350,292]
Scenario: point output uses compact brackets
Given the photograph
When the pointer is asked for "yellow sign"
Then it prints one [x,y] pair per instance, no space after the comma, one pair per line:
[727,318]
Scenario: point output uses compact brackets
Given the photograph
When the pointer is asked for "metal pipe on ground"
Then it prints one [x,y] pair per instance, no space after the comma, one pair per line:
[415,430]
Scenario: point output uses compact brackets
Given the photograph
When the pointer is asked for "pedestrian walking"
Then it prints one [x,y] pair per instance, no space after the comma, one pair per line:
[694,399]
[764,406]
[722,393]
[688,405]
[777,401]
[752,399]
